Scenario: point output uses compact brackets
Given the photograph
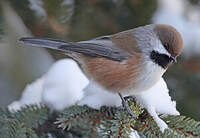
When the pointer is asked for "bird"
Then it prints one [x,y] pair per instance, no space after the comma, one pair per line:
[128,62]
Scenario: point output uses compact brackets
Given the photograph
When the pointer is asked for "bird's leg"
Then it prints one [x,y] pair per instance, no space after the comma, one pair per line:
[126,106]
[127,97]
[130,97]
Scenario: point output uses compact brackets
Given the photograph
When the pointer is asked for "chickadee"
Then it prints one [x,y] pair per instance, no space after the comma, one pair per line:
[127,62]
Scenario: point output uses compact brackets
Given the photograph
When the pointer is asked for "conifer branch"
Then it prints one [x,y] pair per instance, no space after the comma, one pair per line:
[82,121]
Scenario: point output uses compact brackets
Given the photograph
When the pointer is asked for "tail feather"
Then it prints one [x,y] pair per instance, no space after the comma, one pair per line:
[44,42]
[88,48]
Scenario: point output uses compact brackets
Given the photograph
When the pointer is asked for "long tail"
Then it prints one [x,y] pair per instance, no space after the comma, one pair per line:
[88,48]
[45,42]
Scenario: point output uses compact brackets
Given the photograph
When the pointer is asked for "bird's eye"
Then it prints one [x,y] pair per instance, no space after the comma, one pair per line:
[166,45]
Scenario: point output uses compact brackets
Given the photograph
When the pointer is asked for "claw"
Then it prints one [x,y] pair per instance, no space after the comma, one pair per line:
[126,106]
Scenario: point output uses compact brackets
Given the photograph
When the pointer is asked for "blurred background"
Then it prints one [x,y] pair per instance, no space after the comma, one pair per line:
[76,20]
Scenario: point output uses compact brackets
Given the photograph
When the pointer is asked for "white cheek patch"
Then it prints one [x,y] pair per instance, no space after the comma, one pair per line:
[161,49]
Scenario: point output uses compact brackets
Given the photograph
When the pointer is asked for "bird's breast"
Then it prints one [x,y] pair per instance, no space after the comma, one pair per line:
[150,74]
[133,76]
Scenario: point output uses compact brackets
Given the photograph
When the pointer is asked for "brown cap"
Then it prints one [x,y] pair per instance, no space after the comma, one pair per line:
[170,38]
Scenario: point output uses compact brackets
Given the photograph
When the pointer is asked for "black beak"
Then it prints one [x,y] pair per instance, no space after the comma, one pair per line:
[173,59]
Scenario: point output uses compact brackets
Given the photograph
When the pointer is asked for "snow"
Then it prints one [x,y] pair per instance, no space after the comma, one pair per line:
[158,98]
[157,101]
[63,85]
[31,95]
[134,134]
[14,106]
[59,88]
[37,7]
[96,96]
[68,2]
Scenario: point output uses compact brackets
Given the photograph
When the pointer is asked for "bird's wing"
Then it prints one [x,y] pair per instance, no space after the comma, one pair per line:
[98,47]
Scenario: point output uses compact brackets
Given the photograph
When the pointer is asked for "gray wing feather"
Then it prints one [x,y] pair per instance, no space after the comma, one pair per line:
[95,47]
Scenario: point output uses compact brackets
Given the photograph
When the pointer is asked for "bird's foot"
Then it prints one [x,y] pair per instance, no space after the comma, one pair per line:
[130,98]
[126,106]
